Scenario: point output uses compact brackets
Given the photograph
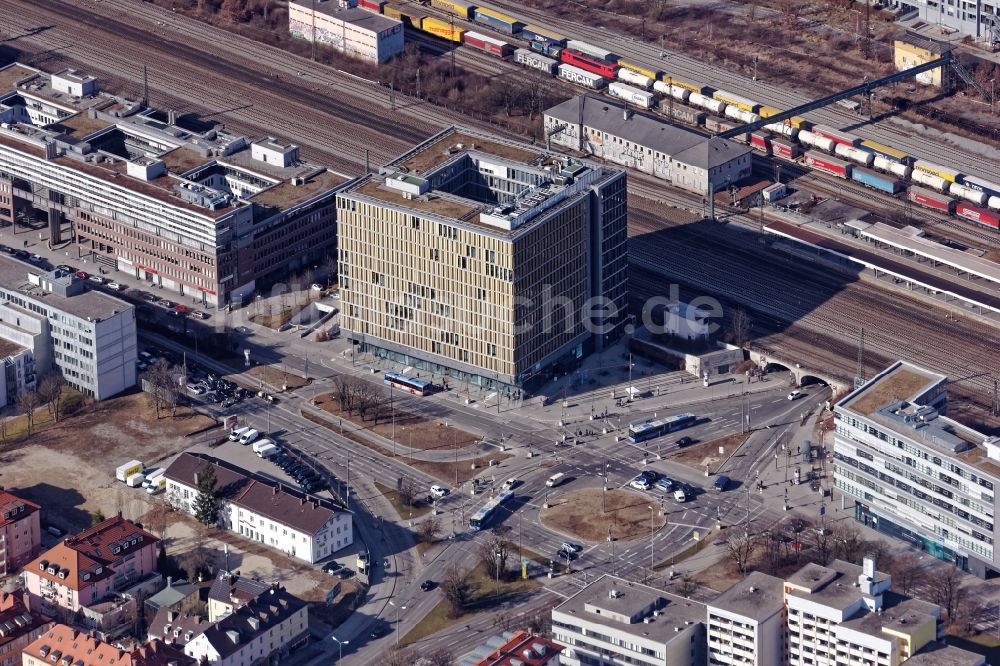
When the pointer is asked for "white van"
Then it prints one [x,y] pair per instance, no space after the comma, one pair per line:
[680,495]
[267,450]
[158,484]
[556,479]
[135,481]
[260,444]
[248,437]
[236,433]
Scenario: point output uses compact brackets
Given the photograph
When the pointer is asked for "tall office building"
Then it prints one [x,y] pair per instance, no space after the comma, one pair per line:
[486,260]
[916,474]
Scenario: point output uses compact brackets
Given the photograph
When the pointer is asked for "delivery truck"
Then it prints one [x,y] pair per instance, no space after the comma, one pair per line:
[128,469]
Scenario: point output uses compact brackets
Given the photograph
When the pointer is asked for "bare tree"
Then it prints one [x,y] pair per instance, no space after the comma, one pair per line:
[971,614]
[28,402]
[407,491]
[905,570]
[50,393]
[824,543]
[161,389]
[740,326]
[687,587]
[156,519]
[398,657]
[503,622]
[540,624]
[947,590]
[457,588]
[740,547]
[428,530]
[772,553]
[343,390]
[439,657]
[494,551]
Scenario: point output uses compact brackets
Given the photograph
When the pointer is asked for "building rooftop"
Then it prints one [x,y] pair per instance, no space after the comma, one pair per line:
[63,643]
[88,304]
[175,628]
[175,592]
[13,508]
[16,620]
[939,654]
[256,618]
[65,566]
[444,206]
[236,590]
[833,586]
[899,614]
[515,648]
[678,142]
[913,39]
[901,381]
[109,541]
[442,147]
[360,18]
[630,608]
[758,596]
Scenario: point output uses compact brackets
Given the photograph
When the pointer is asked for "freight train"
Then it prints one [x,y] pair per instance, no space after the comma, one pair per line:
[821,147]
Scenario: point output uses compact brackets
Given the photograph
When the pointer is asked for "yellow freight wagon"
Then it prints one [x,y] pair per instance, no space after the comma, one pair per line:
[885,150]
[456,7]
[693,87]
[392,11]
[653,74]
[442,29]
[768,111]
[799,123]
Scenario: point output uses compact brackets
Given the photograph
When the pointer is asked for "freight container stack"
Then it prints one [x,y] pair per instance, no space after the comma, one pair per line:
[640,98]
[497,21]
[581,77]
[830,165]
[533,33]
[876,180]
[490,45]
[944,173]
[683,114]
[536,61]
[590,49]
[931,199]
[372,5]
[443,29]
[645,71]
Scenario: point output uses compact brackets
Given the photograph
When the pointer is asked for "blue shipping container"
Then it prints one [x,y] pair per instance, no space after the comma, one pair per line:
[877,181]
[509,28]
[534,34]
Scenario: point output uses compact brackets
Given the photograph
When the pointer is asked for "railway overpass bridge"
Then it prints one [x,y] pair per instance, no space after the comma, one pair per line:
[801,374]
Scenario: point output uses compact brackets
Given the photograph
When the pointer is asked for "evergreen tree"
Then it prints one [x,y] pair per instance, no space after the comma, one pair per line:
[207,503]
[162,563]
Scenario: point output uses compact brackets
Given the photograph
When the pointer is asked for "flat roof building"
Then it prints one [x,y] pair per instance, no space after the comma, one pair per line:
[202,212]
[484,259]
[88,337]
[914,473]
[617,621]
[607,129]
[746,623]
[349,29]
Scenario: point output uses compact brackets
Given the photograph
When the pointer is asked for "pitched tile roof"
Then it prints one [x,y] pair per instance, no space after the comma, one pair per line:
[15,619]
[231,588]
[176,628]
[65,566]
[13,508]
[99,542]
[271,609]
[185,468]
[63,642]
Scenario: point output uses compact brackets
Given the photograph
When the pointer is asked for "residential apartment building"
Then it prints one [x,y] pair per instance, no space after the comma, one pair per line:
[979,19]
[18,627]
[914,473]
[206,214]
[614,621]
[607,129]
[910,50]
[96,575]
[230,591]
[302,526]
[349,29]
[746,623]
[20,532]
[18,367]
[267,626]
[486,260]
[86,336]
[64,646]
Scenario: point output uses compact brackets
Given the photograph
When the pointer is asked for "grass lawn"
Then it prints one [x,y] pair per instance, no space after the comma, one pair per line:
[706,454]
[418,509]
[275,375]
[484,598]
[580,514]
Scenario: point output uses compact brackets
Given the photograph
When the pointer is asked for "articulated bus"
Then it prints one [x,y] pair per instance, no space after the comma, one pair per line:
[482,517]
[409,384]
[653,429]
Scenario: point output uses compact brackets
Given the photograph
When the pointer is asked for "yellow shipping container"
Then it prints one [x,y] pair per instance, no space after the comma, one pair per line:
[392,11]
[693,87]
[460,9]
[641,70]
[799,123]
[768,111]
[442,29]
[885,150]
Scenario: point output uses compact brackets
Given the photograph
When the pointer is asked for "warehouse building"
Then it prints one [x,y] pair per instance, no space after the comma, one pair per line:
[614,132]
[615,621]
[206,214]
[86,336]
[347,28]
[914,473]
[482,259]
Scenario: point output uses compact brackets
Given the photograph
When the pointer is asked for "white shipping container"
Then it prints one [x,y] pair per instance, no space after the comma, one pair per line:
[631,95]
[535,61]
[635,78]
[994,203]
[581,77]
[131,467]
[854,154]
[713,105]
[736,113]
[736,100]
[991,189]
[892,166]
[808,138]
[678,93]
[775,192]
[930,180]
[589,49]
[975,196]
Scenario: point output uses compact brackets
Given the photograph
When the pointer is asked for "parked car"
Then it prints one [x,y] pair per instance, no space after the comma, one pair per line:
[164,303]
[567,555]
[198,314]
[640,483]
[114,285]
[197,389]
[65,268]
[428,585]
[681,494]
[721,483]
[684,441]
[36,258]
[665,484]
[332,568]
[97,279]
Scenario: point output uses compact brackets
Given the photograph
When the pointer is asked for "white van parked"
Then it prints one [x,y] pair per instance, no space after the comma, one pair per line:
[236,433]
[249,436]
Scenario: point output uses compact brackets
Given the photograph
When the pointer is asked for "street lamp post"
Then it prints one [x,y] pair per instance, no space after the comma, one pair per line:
[651,514]
[340,647]
[497,555]
[398,608]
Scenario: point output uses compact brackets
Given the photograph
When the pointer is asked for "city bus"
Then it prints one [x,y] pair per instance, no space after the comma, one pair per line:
[410,384]
[653,429]
[482,517]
